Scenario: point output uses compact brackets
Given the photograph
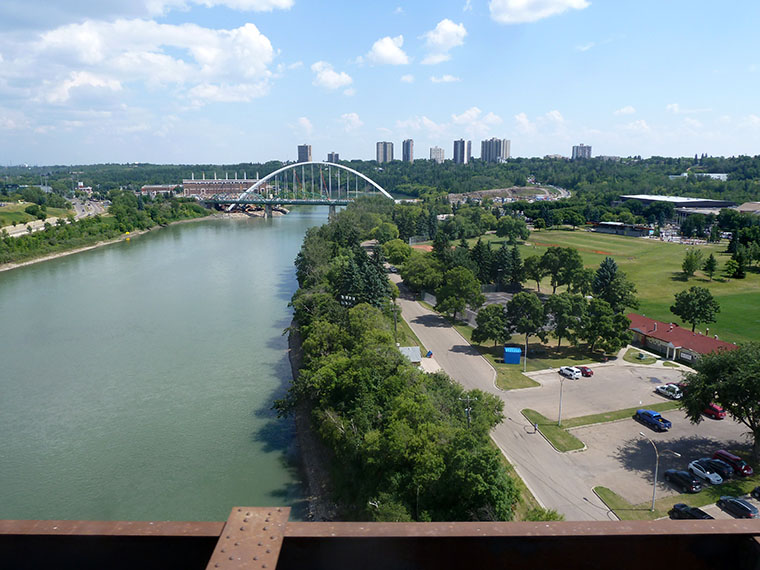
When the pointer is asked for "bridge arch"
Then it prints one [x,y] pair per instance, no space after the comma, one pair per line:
[271,175]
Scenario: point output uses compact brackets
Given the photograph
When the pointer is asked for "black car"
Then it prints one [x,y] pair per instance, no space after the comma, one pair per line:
[721,468]
[740,508]
[756,493]
[683,480]
[682,511]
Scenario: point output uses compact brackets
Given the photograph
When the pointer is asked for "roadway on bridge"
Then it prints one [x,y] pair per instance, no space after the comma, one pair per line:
[551,476]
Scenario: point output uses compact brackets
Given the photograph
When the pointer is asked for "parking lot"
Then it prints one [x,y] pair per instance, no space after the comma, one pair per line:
[618,457]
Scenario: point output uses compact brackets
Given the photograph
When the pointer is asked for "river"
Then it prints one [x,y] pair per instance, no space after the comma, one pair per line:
[136,379]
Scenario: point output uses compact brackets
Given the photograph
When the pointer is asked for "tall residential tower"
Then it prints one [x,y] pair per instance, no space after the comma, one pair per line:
[304,153]
[495,150]
[462,151]
[384,152]
[407,150]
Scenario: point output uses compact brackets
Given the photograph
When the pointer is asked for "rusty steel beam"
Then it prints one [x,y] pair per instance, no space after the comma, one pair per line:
[252,538]
[110,528]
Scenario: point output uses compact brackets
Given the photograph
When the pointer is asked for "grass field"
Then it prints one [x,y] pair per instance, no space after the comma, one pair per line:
[15,213]
[655,269]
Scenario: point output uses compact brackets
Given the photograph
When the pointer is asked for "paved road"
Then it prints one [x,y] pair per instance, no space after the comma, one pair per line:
[552,477]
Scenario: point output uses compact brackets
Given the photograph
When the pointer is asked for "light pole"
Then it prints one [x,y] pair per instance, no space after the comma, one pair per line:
[656,465]
[559,416]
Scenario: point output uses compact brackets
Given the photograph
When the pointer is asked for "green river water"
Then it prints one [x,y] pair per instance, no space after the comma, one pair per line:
[136,379]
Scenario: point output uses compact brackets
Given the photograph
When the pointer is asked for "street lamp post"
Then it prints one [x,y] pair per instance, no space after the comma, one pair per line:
[656,465]
[559,415]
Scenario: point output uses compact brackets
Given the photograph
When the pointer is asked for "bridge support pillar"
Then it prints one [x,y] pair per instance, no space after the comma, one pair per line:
[331,213]
[268,211]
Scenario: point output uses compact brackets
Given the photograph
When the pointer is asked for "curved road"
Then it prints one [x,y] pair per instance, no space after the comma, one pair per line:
[551,476]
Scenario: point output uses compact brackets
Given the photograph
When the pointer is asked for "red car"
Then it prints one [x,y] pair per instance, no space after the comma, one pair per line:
[714,411]
[585,371]
[740,466]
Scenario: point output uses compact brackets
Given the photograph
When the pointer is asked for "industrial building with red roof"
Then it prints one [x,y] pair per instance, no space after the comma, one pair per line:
[676,343]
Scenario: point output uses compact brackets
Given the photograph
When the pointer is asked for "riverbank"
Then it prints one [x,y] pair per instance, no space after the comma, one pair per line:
[313,453]
[123,237]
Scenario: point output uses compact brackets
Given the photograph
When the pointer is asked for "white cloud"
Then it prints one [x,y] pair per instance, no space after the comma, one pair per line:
[443,38]
[163,6]
[398,10]
[524,124]
[444,79]
[555,116]
[408,78]
[676,109]
[303,125]
[753,120]
[61,92]
[328,78]
[585,47]
[524,11]
[422,123]
[475,123]
[627,110]
[387,51]
[350,92]
[467,6]
[692,123]
[351,121]
[639,126]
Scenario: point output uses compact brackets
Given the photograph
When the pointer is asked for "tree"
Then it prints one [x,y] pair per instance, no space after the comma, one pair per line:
[422,272]
[533,270]
[460,288]
[397,251]
[385,232]
[482,256]
[517,270]
[565,313]
[492,324]
[583,281]
[695,305]
[602,328]
[612,285]
[692,261]
[551,261]
[501,267]
[539,224]
[710,266]
[604,275]
[728,377]
[512,228]
[525,315]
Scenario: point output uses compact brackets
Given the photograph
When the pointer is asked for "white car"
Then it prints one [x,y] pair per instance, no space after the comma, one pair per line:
[570,371]
[670,391]
[699,468]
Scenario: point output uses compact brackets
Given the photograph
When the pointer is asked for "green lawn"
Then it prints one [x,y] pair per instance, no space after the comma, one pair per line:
[709,495]
[563,440]
[632,355]
[655,268]
[15,213]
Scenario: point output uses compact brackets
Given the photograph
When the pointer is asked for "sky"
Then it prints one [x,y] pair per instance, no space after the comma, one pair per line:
[228,81]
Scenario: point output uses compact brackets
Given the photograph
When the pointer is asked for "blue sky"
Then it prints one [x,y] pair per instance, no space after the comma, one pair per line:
[226,81]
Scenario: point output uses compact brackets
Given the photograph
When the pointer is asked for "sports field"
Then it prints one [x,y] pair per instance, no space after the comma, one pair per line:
[655,268]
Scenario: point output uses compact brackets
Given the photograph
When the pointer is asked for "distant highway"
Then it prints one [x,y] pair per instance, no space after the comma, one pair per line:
[81,210]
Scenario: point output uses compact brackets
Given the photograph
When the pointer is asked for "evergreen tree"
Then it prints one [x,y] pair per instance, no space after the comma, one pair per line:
[517,271]
[710,266]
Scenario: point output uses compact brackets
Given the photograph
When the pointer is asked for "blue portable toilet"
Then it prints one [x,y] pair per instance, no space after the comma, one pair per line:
[512,355]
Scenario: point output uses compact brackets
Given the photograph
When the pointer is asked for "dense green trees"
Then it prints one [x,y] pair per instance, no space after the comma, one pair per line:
[402,443]
[611,285]
[695,305]
[492,325]
[602,327]
[730,379]
[459,288]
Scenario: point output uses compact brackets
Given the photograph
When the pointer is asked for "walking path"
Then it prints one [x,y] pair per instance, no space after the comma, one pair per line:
[551,476]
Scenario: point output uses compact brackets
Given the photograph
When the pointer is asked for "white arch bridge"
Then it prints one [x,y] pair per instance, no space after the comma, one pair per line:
[303,183]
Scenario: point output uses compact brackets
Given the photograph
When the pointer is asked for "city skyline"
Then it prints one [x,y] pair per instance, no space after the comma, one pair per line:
[222,81]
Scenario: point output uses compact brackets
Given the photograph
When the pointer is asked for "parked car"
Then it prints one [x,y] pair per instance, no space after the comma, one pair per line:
[652,419]
[683,480]
[756,493]
[740,508]
[683,511]
[714,411]
[739,465]
[570,371]
[586,372]
[701,469]
[669,391]
[721,468]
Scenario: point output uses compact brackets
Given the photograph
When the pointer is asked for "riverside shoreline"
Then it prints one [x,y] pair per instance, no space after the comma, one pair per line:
[313,453]
[9,266]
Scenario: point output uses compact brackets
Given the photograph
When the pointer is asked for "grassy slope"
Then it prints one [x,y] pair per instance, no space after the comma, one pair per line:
[15,213]
[655,268]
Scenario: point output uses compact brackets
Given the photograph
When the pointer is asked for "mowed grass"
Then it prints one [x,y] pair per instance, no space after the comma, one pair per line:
[655,269]
[15,213]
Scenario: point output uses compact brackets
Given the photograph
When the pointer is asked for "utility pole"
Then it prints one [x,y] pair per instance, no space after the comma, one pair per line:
[468,408]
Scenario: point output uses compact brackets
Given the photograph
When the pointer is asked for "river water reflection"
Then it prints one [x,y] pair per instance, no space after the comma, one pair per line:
[136,379]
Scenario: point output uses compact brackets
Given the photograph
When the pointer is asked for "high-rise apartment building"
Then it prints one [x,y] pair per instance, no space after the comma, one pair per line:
[581,151]
[407,150]
[462,151]
[333,157]
[384,152]
[436,153]
[304,153]
[495,150]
